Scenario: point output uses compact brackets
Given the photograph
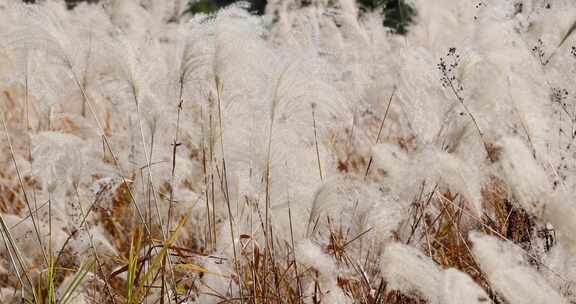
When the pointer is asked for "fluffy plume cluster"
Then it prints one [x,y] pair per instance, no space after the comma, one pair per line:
[309,155]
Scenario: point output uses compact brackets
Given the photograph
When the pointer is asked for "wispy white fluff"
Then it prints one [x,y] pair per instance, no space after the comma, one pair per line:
[560,212]
[311,255]
[509,274]
[526,176]
[562,275]
[408,170]
[408,270]
[24,234]
[284,85]
[78,295]
[460,288]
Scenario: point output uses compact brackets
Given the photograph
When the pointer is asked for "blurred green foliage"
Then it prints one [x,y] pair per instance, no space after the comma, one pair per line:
[202,6]
[397,14]
[209,6]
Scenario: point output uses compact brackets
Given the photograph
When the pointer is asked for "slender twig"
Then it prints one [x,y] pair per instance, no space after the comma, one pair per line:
[417,223]
[224,186]
[357,237]
[473,119]
[20,180]
[175,145]
[498,234]
[294,254]
[85,73]
[380,130]
[316,142]
[106,143]
[94,252]
[206,185]
[6,235]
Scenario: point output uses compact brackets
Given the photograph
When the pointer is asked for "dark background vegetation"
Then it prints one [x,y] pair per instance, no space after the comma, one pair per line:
[397,14]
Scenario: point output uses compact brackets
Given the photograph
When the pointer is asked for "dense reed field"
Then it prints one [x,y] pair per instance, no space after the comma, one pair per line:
[308,155]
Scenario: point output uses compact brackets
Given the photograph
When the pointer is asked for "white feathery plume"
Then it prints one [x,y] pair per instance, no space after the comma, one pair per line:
[23,232]
[434,166]
[560,212]
[460,288]
[525,175]
[562,263]
[509,274]
[408,270]
[310,255]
